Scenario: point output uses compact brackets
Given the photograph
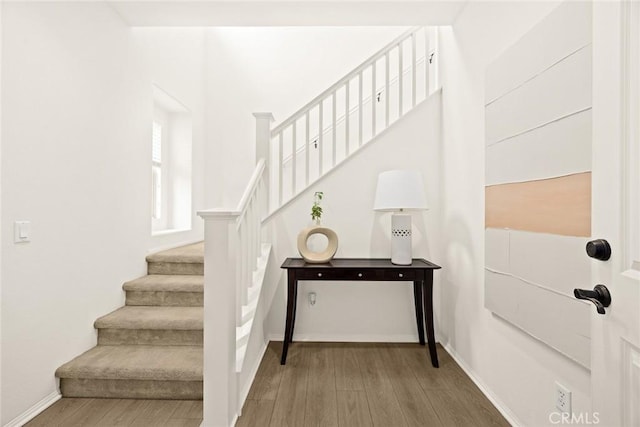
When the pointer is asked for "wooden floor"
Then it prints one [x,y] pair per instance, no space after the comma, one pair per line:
[120,412]
[352,385]
[322,384]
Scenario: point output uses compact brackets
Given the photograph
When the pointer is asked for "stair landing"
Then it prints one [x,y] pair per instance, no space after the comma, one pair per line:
[183,260]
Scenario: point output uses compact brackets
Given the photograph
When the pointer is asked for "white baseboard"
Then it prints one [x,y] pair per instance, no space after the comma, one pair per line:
[348,338]
[497,402]
[36,409]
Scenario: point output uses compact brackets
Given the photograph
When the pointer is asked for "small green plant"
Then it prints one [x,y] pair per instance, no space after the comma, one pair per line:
[316,209]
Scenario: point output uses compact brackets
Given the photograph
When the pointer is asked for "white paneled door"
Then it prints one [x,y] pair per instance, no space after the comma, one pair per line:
[615,336]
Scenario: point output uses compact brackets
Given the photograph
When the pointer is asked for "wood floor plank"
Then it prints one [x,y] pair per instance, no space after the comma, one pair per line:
[155,412]
[348,374]
[415,406]
[321,408]
[417,359]
[485,414]
[183,422]
[292,393]
[56,413]
[383,405]
[92,413]
[123,414]
[267,381]
[256,413]
[353,409]
[451,409]
[188,409]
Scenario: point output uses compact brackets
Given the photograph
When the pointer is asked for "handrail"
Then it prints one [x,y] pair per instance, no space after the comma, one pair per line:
[251,186]
[341,119]
[244,200]
[233,248]
[295,116]
[390,83]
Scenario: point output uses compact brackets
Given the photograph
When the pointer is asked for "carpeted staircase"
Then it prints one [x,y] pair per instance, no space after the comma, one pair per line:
[152,347]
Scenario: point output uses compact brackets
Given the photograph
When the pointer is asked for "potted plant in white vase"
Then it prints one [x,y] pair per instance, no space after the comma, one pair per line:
[303,237]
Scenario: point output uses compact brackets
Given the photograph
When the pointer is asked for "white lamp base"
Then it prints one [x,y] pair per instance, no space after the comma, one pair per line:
[401,239]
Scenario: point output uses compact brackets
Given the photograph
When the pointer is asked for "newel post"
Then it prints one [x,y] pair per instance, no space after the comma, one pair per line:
[263,149]
[219,358]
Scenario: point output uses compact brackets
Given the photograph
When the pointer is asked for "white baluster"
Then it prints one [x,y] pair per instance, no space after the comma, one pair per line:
[400,75]
[320,135]
[360,108]
[254,237]
[333,128]
[346,117]
[247,267]
[427,77]
[241,276]
[386,90]
[280,168]
[413,70]
[306,150]
[373,99]
[294,155]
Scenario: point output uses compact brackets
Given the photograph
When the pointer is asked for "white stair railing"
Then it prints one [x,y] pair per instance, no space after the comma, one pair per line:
[351,112]
[234,265]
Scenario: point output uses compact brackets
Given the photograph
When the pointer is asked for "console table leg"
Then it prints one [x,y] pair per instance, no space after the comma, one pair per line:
[292,294]
[428,317]
[417,297]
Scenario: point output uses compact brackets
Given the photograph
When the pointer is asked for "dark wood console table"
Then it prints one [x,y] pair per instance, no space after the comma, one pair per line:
[420,272]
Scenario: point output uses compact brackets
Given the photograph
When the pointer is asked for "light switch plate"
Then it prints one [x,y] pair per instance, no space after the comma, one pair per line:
[21,231]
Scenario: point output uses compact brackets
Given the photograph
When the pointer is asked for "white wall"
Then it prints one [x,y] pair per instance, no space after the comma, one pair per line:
[518,370]
[270,69]
[72,122]
[364,311]
[1,233]
[76,132]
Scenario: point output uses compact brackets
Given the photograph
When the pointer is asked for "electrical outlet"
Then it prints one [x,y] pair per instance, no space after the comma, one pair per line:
[563,398]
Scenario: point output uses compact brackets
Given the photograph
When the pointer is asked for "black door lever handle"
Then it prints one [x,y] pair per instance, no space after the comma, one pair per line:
[599,296]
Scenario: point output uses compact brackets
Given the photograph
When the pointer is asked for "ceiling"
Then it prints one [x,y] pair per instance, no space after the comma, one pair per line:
[151,13]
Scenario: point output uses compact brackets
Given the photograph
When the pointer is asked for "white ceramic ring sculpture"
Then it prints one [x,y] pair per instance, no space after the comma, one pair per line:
[317,257]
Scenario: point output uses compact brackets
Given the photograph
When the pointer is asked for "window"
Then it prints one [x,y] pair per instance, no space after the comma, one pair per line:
[171,161]
[156,171]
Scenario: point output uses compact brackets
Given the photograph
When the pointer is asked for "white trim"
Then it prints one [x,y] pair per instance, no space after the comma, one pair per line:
[311,337]
[33,411]
[630,107]
[488,393]
[168,231]
[244,393]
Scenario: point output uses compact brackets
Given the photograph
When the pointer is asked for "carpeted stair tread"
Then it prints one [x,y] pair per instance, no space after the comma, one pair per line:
[136,362]
[166,283]
[190,254]
[149,317]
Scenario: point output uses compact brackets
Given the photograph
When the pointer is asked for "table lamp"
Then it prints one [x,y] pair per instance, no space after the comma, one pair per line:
[397,191]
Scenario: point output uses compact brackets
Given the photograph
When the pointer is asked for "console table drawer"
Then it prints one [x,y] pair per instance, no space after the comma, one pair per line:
[400,275]
[357,274]
[320,274]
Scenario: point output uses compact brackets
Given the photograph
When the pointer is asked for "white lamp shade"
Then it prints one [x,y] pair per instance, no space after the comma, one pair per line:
[400,190]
